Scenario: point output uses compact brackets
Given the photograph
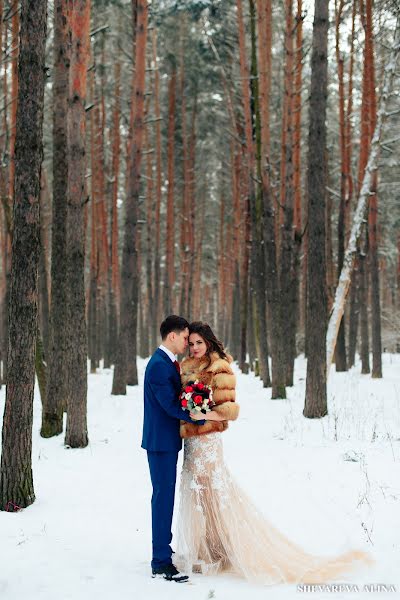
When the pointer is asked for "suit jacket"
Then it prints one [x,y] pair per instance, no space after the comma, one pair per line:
[162,410]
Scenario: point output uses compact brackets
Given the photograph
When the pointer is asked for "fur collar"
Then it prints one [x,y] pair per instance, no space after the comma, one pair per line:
[200,364]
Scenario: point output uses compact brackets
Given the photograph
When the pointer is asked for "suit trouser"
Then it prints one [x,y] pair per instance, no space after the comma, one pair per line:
[163,478]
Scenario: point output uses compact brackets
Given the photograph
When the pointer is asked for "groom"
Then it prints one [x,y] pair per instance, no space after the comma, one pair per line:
[161,439]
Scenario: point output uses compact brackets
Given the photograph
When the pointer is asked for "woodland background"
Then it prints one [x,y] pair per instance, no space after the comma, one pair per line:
[201,158]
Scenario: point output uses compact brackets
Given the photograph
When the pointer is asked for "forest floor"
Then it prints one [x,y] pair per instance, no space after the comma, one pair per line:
[329,484]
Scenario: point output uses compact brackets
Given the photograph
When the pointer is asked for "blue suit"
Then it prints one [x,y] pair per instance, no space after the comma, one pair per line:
[161,439]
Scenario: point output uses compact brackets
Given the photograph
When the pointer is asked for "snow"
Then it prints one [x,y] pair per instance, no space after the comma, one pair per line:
[330,484]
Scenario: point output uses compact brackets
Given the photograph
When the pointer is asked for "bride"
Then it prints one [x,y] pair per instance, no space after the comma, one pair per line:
[218,527]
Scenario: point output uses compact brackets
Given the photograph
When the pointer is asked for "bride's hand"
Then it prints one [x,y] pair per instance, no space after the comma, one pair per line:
[209,416]
[197,416]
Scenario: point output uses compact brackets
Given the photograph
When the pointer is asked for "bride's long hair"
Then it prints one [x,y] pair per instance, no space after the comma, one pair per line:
[213,344]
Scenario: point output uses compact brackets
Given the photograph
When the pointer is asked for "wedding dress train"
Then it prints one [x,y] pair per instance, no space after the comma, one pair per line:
[220,529]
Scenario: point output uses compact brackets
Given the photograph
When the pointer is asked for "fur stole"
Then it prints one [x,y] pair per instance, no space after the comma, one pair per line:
[217,373]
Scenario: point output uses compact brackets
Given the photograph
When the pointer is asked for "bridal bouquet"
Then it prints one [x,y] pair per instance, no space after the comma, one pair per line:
[197,396]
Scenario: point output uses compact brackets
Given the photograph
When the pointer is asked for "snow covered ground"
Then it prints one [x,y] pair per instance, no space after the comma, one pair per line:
[330,485]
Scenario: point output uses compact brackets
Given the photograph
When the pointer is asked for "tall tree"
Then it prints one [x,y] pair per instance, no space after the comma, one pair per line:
[56,400]
[249,202]
[170,234]
[158,186]
[297,212]
[129,274]
[76,435]
[354,300]
[9,131]
[264,216]
[114,263]
[373,205]
[340,353]
[316,392]
[16,480]
[264,31]
[287,274]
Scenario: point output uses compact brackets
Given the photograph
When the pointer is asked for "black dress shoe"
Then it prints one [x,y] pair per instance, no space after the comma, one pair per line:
[170,573]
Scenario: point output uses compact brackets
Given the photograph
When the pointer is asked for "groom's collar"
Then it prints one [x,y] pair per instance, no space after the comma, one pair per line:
[170,354]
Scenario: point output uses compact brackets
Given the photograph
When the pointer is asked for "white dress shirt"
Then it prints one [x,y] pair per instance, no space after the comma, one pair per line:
[170,354]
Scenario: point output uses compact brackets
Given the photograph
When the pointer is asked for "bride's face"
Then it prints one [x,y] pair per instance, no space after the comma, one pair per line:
[197,345]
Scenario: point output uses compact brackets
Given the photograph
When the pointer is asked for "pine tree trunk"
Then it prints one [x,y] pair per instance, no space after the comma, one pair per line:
[43,269]
[353,316]
[115,275]
[76,435]
[268,239]
[316,392]
[125,371]
[157,267]
[16,481]
[340,350]
[250,106]
[148,233]
[150,339]
[192,208]
[295,315]
[170,235]
[94,286]
[199,303]
[10,132]
[185,193]
[234,330]
[287,274]
[373,209]
[40,366]
[56,400]
[260,97]
[364,315]
[14,95]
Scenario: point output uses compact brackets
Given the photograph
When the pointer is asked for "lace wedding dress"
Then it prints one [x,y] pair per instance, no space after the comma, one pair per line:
[219,529]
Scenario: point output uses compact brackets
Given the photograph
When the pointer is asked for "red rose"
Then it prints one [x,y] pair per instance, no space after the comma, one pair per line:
[198,399]
[200,386]
[184,403]
[188,389]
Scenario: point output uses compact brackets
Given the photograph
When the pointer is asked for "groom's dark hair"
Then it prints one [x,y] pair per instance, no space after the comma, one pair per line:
[172,323]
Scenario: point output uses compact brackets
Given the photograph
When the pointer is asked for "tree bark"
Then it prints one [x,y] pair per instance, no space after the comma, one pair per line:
[287,273]
[265,215]
[261,94]
[130,277]
[295,314]
[365,368]
[95,249]
[170,234]
[157,250]
[56,400]
[340,351]
[76,435]
[373,210]
[316,392]
[16,480]
[354,314]
[115,274]
[44,300]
